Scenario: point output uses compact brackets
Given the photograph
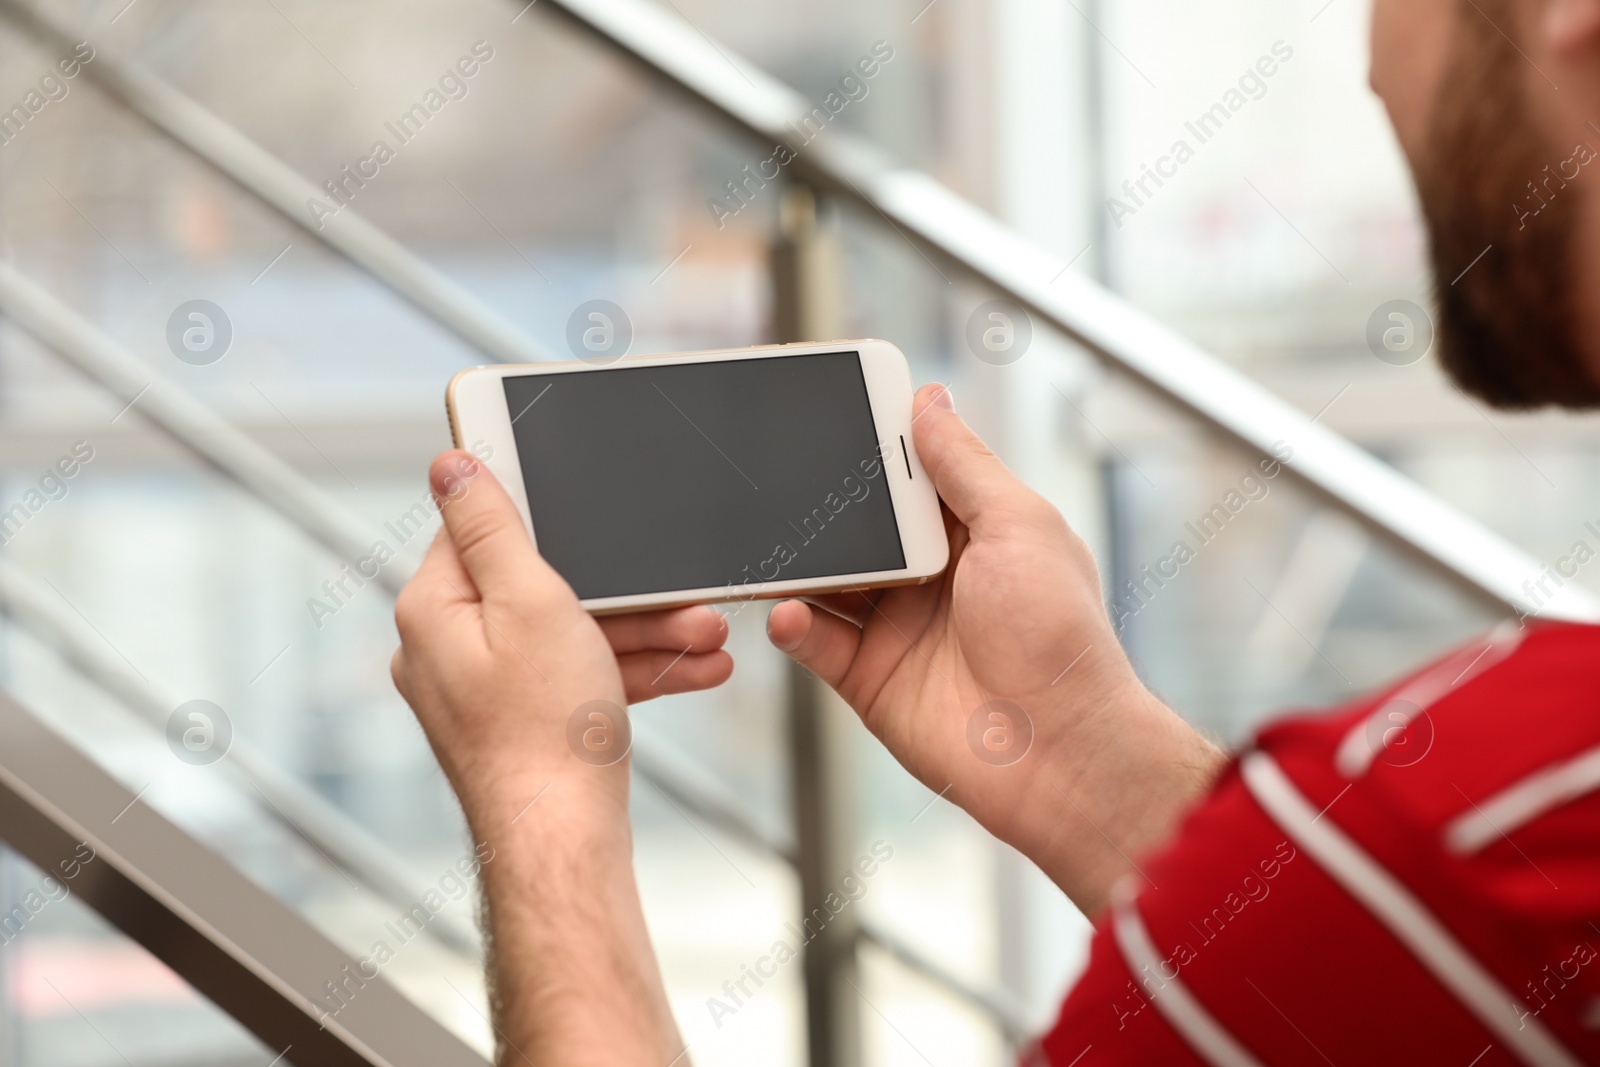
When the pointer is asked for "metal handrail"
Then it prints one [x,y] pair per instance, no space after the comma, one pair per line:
[277,185]
[41,611]
[951,229]
[188,420]
[234,942]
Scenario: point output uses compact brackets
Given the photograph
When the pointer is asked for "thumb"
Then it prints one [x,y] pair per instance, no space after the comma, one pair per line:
[970,478]
[485,527]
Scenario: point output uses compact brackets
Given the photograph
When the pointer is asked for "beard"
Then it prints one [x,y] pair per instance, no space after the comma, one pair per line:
[1506,326]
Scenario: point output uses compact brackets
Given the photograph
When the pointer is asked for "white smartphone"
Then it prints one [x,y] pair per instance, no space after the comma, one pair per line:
[696,477]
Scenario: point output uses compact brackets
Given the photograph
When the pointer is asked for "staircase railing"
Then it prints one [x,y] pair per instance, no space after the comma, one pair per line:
[230,939]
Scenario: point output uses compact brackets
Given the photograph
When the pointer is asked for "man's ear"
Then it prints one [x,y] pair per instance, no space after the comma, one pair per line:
[1571,27]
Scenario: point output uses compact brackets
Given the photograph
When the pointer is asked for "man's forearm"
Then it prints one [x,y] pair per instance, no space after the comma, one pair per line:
[574,977]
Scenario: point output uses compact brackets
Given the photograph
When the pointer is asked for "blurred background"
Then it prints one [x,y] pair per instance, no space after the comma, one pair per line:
[563,176]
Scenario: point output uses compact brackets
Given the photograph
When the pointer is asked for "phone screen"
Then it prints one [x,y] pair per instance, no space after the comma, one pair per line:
[693,475]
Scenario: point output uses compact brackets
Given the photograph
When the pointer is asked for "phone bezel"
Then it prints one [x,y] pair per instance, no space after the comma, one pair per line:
[479,416]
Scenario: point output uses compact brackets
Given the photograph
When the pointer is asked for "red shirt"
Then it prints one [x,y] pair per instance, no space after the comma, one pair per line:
[1412,879]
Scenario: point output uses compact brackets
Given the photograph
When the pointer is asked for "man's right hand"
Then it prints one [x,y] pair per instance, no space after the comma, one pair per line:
[1016,621]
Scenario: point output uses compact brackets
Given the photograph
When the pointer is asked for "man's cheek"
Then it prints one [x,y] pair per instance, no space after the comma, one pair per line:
[1411,42]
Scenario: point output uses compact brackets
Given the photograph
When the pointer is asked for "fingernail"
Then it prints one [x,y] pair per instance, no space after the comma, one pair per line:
[943,399]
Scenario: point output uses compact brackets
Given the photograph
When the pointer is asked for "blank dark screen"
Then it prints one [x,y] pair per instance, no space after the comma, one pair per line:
[692,475]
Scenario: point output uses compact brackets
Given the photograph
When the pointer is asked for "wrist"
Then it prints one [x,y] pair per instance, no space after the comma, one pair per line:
[585,805]
[1114,779]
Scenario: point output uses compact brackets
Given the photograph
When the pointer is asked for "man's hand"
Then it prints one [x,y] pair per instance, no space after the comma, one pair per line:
[496,653]
[506,671]
[938,671]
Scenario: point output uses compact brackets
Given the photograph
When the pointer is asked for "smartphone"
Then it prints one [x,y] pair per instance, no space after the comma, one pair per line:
[698,477]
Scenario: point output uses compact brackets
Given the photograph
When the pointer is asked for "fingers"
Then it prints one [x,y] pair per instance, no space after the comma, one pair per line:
[698,629]
[674,651]
[970,478]
[487,531]
[818,640]
[658,672]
